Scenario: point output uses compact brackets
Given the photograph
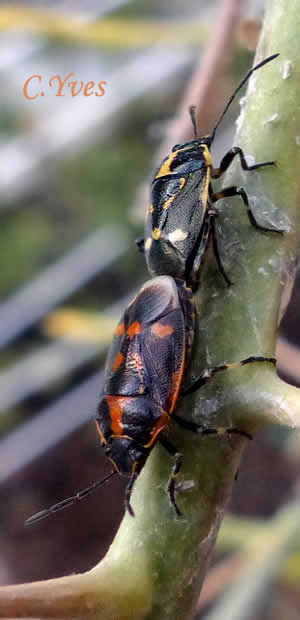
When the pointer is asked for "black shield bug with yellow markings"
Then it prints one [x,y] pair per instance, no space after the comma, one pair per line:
[145,367]
[181,217]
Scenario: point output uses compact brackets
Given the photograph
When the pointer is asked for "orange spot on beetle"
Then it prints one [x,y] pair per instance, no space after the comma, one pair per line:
[116,405]
[118,361]
[162,331]
[120,329]
[133,329]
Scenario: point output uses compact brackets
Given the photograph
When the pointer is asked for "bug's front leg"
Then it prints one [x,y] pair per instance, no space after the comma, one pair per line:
[175,470]
[128,492]
[216,173]
[201,430]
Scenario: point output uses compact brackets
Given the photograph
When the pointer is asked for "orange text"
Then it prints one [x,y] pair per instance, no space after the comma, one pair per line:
[34,88]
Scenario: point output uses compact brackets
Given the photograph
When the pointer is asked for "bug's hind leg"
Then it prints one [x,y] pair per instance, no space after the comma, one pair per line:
[205,376]
[208,373]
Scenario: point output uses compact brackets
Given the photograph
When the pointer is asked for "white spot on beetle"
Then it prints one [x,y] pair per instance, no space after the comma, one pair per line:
[272,120]
[148,243]
[177,235]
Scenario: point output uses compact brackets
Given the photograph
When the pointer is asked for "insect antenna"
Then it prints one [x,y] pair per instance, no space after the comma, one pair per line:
[69,501]
[192,111]
[241,84]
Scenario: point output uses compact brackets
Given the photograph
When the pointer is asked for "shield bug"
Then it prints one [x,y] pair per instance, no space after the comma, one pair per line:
[143,380]
[181,218]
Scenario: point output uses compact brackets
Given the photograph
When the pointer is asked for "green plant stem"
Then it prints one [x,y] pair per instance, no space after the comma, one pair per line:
[156,564]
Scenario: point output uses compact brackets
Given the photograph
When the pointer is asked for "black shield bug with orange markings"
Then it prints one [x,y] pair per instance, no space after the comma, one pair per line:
[181,218]
[145,367]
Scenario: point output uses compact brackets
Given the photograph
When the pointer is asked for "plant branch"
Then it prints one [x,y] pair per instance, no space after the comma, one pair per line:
[157,562]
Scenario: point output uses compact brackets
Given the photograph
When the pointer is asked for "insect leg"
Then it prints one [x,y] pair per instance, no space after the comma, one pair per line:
[239,191]
[207,374]
[228,158]
[200,430]
[175,469]
[217,253]
[196,259]
[128,492]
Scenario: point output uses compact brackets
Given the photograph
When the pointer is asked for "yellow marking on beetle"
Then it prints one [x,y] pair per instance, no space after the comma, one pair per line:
[151,208]
[148,243]
[182,182]
[204,191]
[156,233]
[177,235]
[165,169]
[169,201]
[207,155]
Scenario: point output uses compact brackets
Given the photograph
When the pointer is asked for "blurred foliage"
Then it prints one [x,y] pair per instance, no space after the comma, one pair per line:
[235,533]
[92,190]
[104,180]
[80,326]
[8,118]
[111,32]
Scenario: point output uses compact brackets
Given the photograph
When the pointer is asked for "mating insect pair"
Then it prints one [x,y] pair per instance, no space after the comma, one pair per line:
[153,341]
